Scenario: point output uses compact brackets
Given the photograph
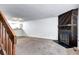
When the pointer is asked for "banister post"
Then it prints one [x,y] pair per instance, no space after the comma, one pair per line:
[14,46]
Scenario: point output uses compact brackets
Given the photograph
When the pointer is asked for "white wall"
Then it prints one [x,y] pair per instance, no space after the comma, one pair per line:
[43,28]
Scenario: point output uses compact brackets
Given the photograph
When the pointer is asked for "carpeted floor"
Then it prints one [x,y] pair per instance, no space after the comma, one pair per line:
[32,46]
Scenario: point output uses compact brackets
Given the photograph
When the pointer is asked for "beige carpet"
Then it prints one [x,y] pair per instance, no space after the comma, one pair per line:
[31,46]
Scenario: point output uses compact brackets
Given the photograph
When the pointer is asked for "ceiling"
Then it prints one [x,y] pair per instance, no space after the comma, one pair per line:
[36,11]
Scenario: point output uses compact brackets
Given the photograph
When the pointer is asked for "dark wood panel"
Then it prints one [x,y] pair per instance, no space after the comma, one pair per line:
[67,28]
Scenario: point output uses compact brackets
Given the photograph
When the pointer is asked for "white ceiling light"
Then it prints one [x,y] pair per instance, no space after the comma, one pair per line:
[20,19]
[17,19]
[14,18]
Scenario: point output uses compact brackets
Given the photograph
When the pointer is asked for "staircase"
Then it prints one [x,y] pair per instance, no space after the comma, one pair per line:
[7,37]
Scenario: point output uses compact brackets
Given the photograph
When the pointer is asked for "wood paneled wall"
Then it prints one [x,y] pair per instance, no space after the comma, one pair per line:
[67,28]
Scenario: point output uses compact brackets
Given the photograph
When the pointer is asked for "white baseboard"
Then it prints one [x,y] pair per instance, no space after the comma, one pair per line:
[34,37]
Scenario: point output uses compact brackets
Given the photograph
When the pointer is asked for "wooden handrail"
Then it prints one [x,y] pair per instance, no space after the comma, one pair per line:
[10,31]
[10,41]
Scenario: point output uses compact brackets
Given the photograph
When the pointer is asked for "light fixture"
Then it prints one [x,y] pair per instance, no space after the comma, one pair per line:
[20,19]
[17,19]
[14,18]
